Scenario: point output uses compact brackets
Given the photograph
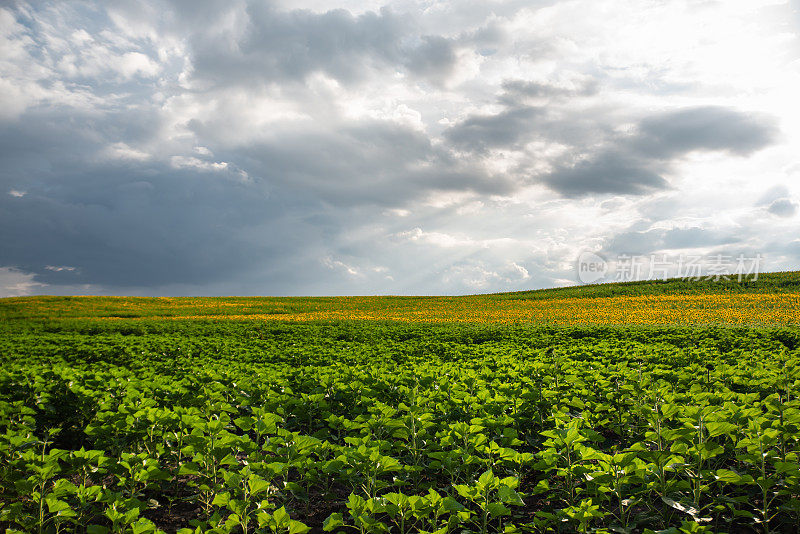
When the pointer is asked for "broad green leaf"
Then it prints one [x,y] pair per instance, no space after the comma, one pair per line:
[509,496]
[497,509]
[221,499]
[258,485]
[297,527]
[332,522]
[720,428]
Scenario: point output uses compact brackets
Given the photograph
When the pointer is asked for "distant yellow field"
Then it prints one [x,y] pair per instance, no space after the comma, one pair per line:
[768,309]
[731,308]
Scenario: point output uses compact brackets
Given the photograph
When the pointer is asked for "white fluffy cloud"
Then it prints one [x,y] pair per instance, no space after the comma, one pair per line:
[400,146]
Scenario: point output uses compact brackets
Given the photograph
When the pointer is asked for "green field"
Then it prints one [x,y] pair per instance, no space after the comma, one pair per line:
[115,417]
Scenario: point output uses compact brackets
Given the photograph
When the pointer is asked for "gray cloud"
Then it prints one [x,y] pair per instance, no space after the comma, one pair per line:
[772,194]
[601,160]
[278,45]
[432,56]
[608,172]
[783,207]
[635,164]
[373,163]
[518,91]
[504,129]
[707,128]
[639,242]
[777,200]
[683,238]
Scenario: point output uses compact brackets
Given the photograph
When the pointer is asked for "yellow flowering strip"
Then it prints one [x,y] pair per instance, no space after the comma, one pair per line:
[725,308]
[765,309]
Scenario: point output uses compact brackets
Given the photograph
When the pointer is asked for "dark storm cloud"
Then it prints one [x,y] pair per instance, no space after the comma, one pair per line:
[117,222]
[146,223]
[147,227]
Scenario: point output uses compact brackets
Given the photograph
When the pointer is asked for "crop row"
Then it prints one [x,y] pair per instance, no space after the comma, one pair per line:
[378,428]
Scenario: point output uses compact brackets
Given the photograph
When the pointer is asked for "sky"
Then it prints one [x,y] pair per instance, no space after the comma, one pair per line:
[307,147]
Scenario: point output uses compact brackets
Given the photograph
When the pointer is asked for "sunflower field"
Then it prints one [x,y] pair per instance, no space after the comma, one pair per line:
[602,414]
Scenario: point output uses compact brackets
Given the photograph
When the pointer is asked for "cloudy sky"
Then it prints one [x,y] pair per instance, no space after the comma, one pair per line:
[308,147]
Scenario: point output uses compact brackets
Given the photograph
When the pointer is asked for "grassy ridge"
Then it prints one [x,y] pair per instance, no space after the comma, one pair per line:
[778,282]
